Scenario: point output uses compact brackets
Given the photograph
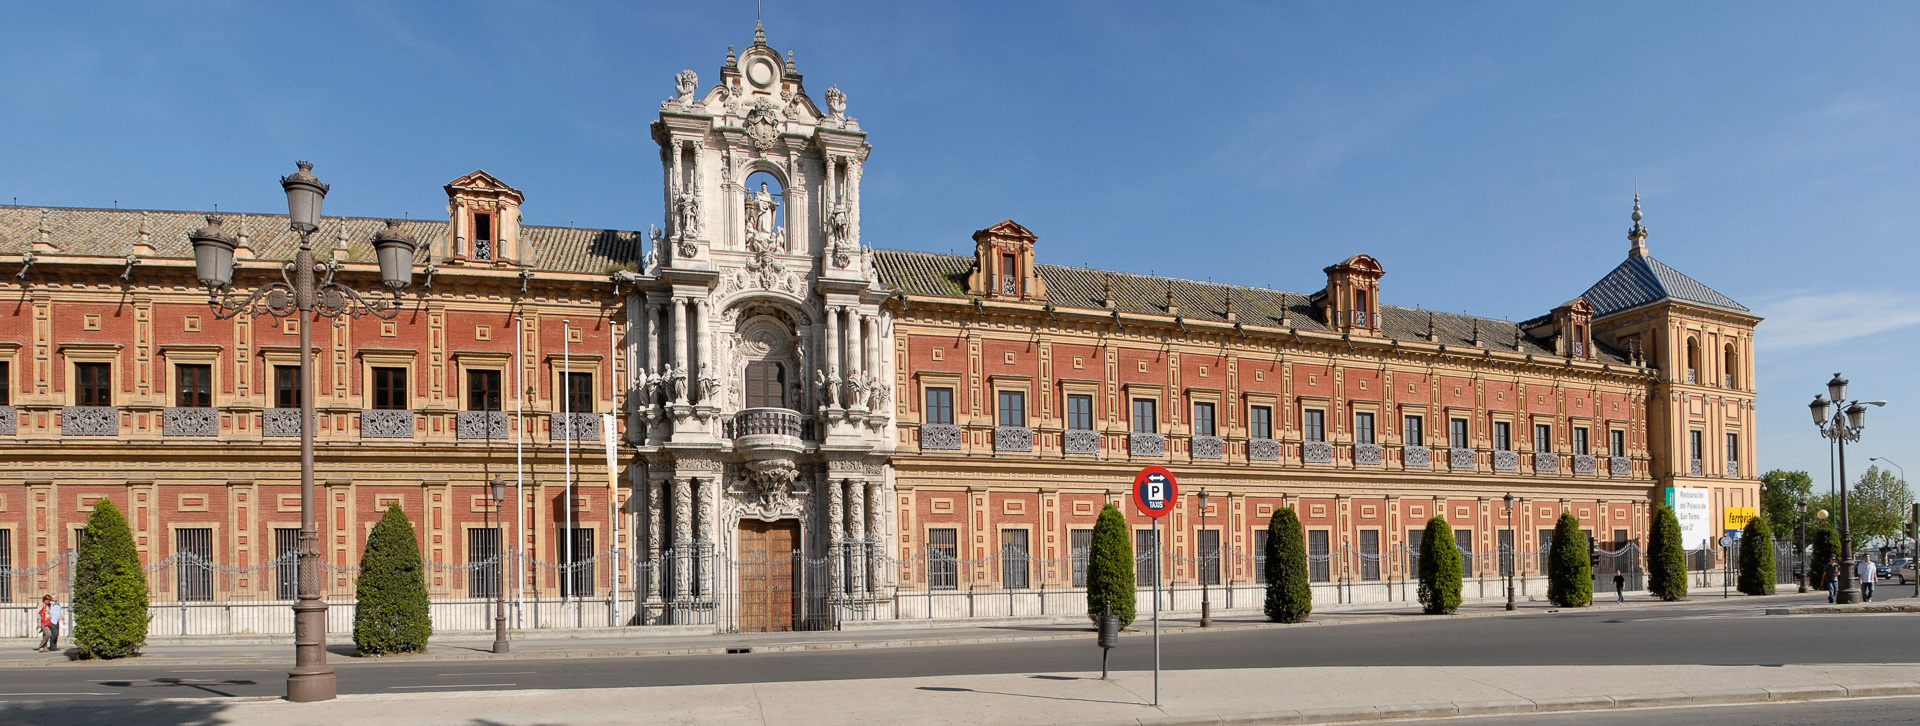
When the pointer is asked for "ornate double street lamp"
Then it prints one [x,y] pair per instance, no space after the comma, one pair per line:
[1800,543]
[299,294]
[1848,419]
[1513,558]
[1206,569]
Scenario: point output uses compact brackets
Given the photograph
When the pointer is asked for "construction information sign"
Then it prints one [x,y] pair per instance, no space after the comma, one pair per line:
[1693,506]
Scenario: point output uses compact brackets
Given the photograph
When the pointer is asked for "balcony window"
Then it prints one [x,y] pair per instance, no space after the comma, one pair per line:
[579,392]
[483,391]
[6,383]
[1580,441]
[193,385]
[1733,450]
[390,389]
[1543,437]
[1079,411]
[1502,436]
[1314,424]
[1145,416]
[766,384]
[93,384]
[482,236]
[939,409]
[1412,429]
[1013,408]
[1457,433]
[1693,445]
[1617,442]
[1260,422]
[286,386]
[1363,428]
[1203,419]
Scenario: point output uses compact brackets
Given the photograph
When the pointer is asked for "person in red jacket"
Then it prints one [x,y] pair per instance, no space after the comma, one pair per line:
[50,616]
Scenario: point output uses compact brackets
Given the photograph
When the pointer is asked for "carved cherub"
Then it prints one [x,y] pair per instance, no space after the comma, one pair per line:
[836,103]
[684,83]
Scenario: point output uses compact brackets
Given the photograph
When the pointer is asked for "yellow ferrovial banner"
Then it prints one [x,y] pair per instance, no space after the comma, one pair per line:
[1737,517]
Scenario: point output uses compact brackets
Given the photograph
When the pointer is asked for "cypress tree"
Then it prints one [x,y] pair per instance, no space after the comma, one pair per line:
[390,615]
[1289,596]
[109,588]
[1756,558]
[1666,557]
[1826,546]
[1569,572]
[1439,569]
[1110,567]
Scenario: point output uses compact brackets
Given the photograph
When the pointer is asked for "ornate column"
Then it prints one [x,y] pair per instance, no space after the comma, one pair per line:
[836,523]
[856,524]
[678,310]
[682,536]
[832,364]
[874,527]
[708,534]
[656,509]
[699,348]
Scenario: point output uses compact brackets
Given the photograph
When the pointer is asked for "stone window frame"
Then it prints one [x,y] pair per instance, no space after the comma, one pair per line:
[558,364]
[1467,414]
[1371,408]
[9,359]
[108,353]
[371,358]
[287,356]
[1272,402]
[1080,387]
[207,355]
[1197,396]
[1426,429]
[1494,419]
[1022,384]
[1580,422]
[1626,436]
[484,360]
[1149,391]
[1552,423]
[1324,405]
[937,379]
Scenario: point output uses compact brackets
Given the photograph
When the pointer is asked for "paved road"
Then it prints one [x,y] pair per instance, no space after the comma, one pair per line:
[1855,712]
[1701,634]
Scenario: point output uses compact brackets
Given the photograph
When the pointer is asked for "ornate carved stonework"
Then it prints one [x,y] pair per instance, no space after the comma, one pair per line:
[386,424]
[1620,466]
[772,480]
[1583,464]
[1317,452]
[1546,462]
[1460,459]
[8,418]
[1416,457]
[1263,449]
[480,425]
[945,437]
[1367,454]
[277,422]
[1506,460]
[1082,441]
[763,123]
[1012,438]
[1147,444]
[89,421]
[189,421]
[1208,447]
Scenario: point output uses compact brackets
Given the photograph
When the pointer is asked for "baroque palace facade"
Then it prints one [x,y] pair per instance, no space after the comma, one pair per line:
[881,421]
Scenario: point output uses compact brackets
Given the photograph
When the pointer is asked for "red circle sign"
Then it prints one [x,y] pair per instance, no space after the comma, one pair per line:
[1155,491]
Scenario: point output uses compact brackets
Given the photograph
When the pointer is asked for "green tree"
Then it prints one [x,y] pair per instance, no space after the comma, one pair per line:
[1878,506]
[1756,559]
[1110,567]
[1780,490]
[1439,569]
[1289,595]
[391,615]
[1826,546]
[1569,572]
[109,588]
[1666,557]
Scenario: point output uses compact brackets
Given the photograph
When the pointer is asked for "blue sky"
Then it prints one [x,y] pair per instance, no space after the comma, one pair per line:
[1485,153]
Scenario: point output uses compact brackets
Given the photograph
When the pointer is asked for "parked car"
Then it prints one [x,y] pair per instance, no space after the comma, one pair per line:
[1903,569]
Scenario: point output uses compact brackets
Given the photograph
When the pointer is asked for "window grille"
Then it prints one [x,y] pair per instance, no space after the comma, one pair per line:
[1013,559]
[1081,543]
[286,574]
[196,579]
[943,551]
[1319,563]
[483,544]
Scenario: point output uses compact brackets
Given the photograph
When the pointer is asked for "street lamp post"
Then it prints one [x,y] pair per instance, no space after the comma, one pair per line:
[1800,542]
[1512,558]
[1848,419]
[499,492]
[300,295]
[1206,568]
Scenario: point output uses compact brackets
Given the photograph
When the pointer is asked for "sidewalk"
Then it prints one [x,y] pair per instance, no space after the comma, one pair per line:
[1239,696]
[699,640]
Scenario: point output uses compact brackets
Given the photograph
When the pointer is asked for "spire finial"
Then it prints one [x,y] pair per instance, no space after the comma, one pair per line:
[1637,234]
[759,31]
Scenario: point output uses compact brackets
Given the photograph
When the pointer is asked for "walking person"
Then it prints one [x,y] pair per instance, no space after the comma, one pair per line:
[1866,571]
[1832,577]
[1619,586]
[50,616]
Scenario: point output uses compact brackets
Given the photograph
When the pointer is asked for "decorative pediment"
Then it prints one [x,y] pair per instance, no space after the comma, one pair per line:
[480,181]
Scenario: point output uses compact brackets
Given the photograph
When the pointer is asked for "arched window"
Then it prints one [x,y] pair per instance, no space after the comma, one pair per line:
[1729,374]
[1693,360]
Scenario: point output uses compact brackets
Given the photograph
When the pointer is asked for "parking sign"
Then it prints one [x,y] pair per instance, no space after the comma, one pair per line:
[1155,491]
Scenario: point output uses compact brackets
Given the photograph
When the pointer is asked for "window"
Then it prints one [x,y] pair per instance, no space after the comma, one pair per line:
[1617,443]
[1502,436]
[1463,538]
[1260,556]
[1543,437]
[1369,554]
[1545,548]
[1081,543]
[6,561]
[483,390]
[939,405]
[943,551]
[1363,428]
[389,388]
[286,386]
[482,236]
[6,383]
[1319,564]
[1146,558]
[1580,441]
[1013,408]
[93,384]
[1733,448]
[1457,433]
[766,384]
[579,392]
[1079,411]
[1732,365]
[286,571]
[1203,419]
[1360,308]
[195,567]
[1260,422]
[1145,417]
[1693,445]
[193,385]
[1415,539]
[483,545]
[1315,424]
[1009,275]
[580,581]
[1506,552]
[1579,341]
[1413,433]
[1209,557]
[1013,559]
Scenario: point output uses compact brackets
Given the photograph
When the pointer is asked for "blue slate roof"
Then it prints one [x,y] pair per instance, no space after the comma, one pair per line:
[1642,280]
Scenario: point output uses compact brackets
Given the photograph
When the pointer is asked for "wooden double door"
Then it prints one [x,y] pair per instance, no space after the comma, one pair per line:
[769,598]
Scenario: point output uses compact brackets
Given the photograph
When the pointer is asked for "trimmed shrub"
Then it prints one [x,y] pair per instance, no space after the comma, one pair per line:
[1439,569]
[1666,557]
[1826,546]
[1289,596]
[109,588]
[1110,567]
[1756,558]
[1569,572]
[391,613]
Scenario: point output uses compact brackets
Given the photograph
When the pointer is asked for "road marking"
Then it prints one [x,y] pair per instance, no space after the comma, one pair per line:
[462,685]
[489,673]
[231,670]
[70,693]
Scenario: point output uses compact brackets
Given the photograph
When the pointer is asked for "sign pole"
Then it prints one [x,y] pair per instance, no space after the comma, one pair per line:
[1155,491]
[1156,611]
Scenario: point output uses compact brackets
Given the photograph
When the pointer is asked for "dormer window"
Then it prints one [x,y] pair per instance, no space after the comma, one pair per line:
[1003,264]
[482,236]
[1579,341]
[1360,308]
[1009,275]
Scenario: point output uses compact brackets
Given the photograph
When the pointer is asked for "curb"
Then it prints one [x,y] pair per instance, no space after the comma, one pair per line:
[1354,714]
[1862,609]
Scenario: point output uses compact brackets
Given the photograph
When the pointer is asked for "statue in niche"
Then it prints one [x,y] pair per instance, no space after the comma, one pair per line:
[709,384]
[676,383]
[684,83]
[826,381]
[878,394]
[761,206]
[840,231]
[836,103]
[856,389]
[645,384]
[688,205]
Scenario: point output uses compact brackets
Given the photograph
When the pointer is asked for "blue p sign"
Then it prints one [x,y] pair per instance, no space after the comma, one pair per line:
[1155,491]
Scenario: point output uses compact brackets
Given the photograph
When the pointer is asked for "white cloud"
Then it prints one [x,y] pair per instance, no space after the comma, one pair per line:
[1807,320]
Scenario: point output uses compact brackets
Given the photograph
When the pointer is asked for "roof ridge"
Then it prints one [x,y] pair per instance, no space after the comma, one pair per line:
[323,218]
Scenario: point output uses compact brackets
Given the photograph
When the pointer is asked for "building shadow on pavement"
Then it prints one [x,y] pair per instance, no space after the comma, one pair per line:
[951,689]
[169,713]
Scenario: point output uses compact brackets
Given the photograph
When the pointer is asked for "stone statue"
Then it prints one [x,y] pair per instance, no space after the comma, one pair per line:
[878,394]
[685,82]
[709,385]
[688,205]
[643,385]
[839,223]
[827,382]
[836,103]
[856,389]
[760,209]
[676,384]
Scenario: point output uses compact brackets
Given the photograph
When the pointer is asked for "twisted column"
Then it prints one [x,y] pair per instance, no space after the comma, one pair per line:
[682,535]
[875,507]
[857,532]
[656,509]
[708,487]
[836,523]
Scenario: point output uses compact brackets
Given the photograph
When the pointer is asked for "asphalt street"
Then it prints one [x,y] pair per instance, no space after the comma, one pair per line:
[1702,634]
[1851,712]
